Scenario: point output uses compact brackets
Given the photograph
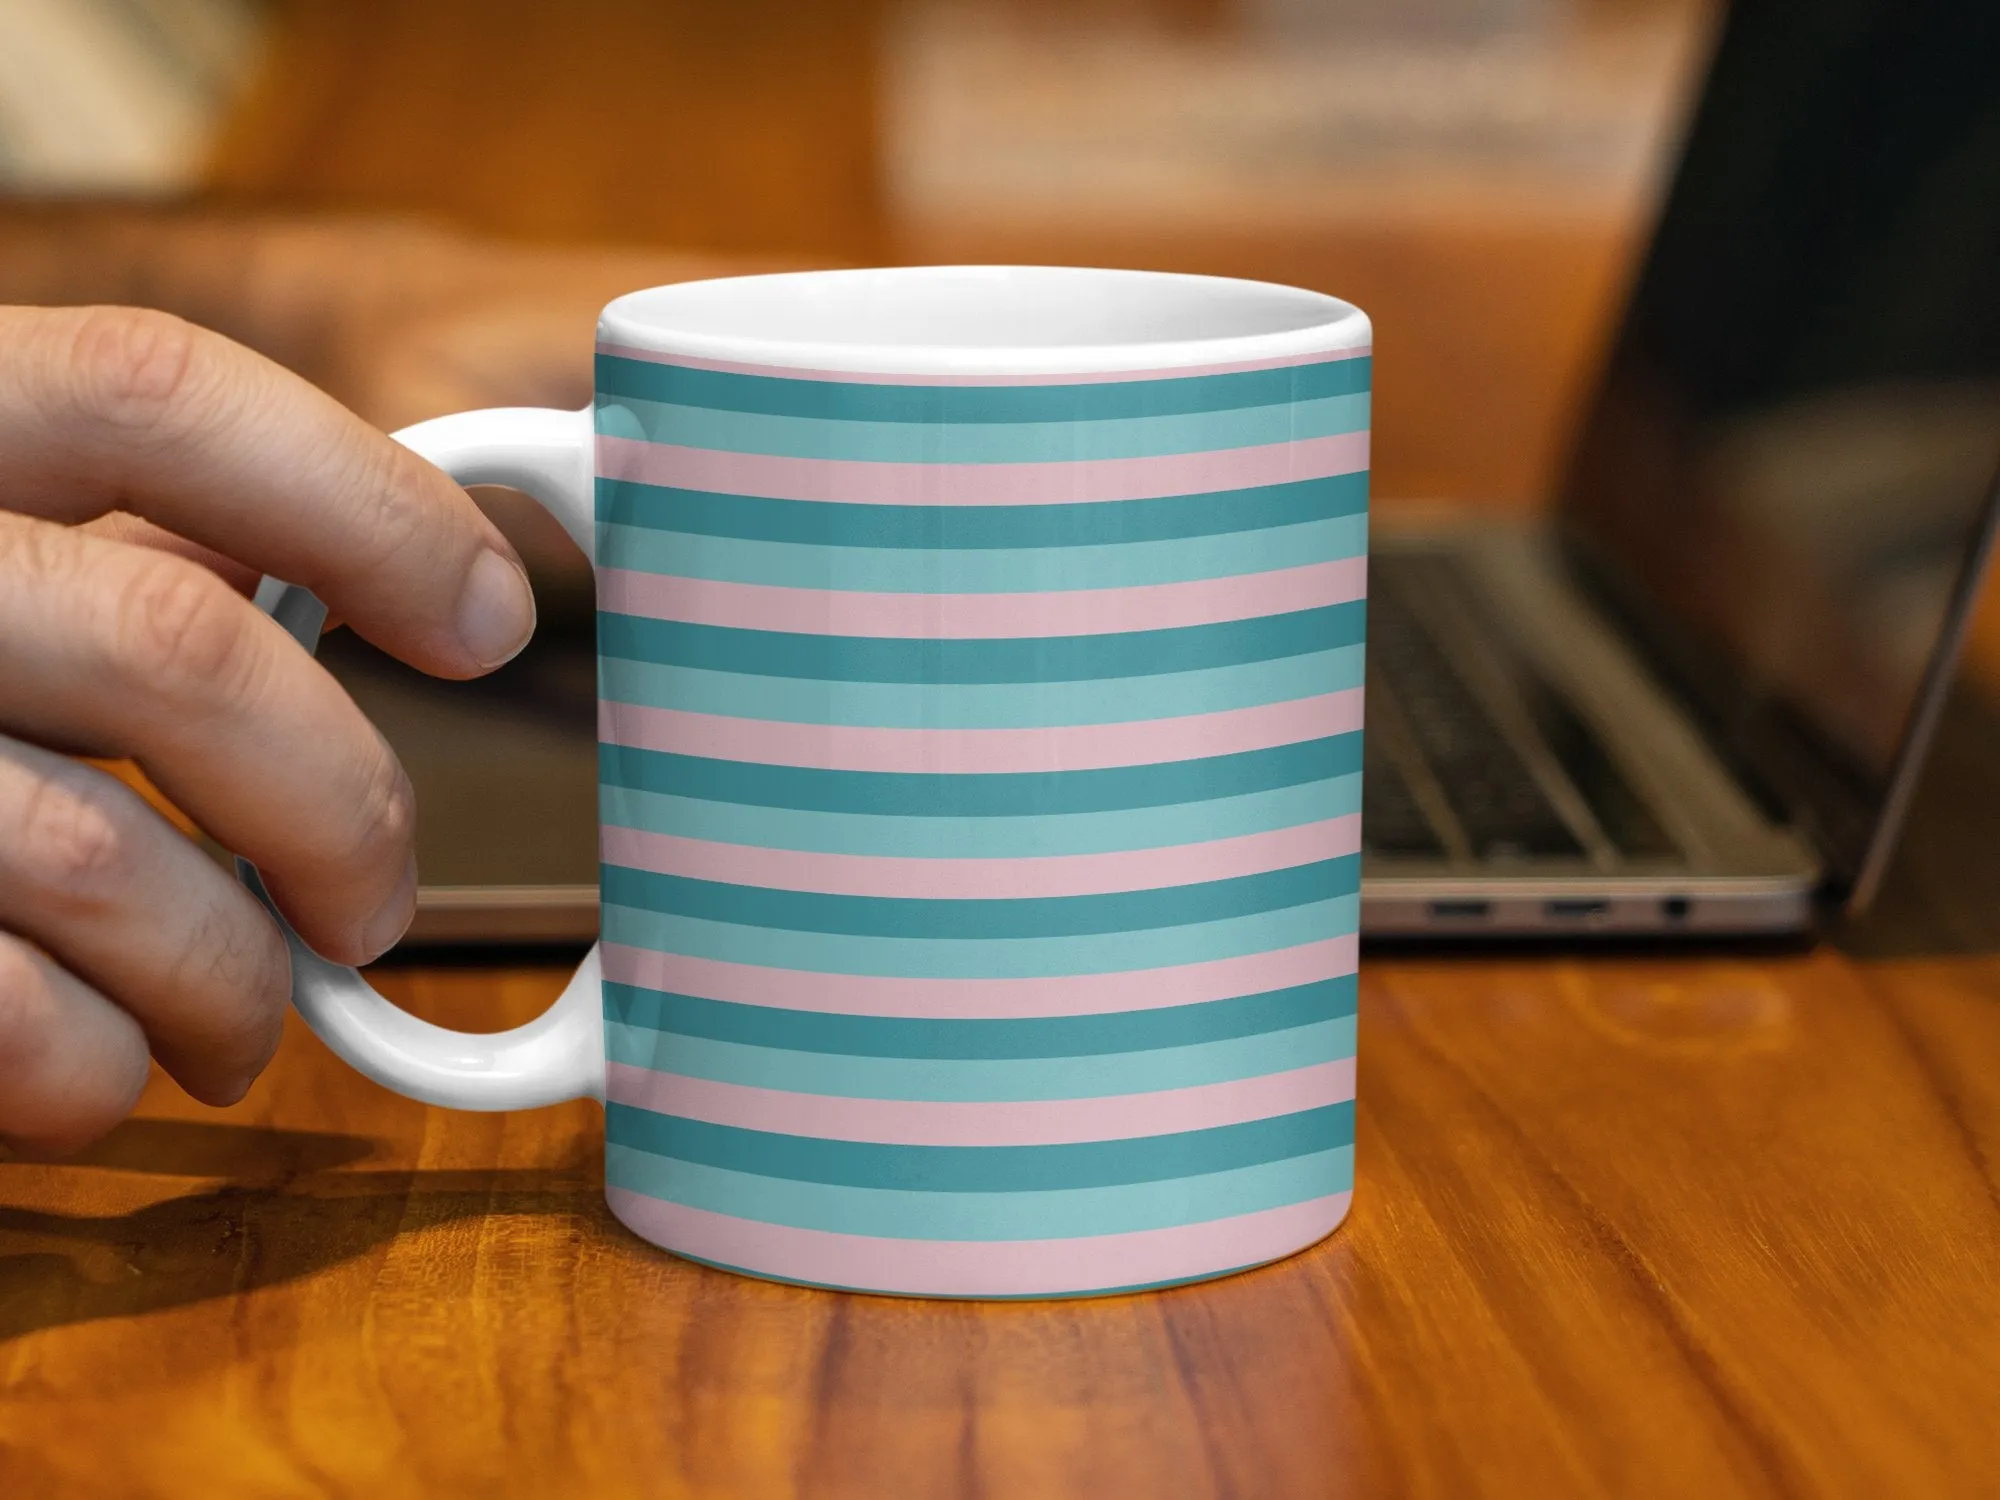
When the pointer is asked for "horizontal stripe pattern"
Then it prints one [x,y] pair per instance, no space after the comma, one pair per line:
[1084,1266]
[946,442]
[1153,1070]
[973,1123]
[1037,483]
[1063,1213]
[884,398]
[970,878]
[979,770]
[1022,836]
[980,794]
[980,997]
[977,917]
[980,705]
[804,611]
[687,556]
[1024,526]
[984,1168]
[1073,747]
[1063,658]
[1021,957]
[1182,1023]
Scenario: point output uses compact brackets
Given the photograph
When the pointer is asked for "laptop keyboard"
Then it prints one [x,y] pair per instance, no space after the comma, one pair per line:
[1500,810]
[1503,812]
[1392,820]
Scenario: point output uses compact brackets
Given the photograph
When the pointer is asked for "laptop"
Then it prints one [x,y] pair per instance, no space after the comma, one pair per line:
[1692,700]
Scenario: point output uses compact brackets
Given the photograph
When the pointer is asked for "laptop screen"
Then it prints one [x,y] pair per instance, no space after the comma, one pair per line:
[1784,481]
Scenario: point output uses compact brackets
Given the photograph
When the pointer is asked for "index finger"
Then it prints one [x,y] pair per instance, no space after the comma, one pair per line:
[108,408]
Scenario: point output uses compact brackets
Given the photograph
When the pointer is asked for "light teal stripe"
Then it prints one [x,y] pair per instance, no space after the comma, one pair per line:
[981,442]
[967,1079]
[970,958]
[980,705]
[1062,1213]
[981,838]
[944,570]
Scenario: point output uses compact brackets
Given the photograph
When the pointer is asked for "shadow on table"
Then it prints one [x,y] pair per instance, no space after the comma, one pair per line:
[285,1214]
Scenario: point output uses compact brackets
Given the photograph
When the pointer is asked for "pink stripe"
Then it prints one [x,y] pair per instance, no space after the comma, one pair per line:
[977,999]
[880,377]
[1068,747]
[1053,482]
[992,879]
[980,1268]
[1012,1122]
[1152,606]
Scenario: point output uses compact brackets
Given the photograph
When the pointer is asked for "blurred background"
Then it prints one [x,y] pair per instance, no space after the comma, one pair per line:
[420,205]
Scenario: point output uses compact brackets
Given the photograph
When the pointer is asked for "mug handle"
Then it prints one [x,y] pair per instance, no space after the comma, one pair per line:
[560,1054]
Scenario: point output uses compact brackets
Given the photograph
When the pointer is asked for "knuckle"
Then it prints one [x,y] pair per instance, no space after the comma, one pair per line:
[237,958]
[132,366]
[35,552]
[388,521]
[386,812]
[181,630]
[71,845]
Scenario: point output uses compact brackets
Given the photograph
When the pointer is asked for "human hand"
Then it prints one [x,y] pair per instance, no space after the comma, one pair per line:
[131,638]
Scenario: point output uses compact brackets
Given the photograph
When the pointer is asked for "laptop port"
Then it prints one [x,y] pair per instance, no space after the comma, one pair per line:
[1460,911]
[1580,910]
[1675,908]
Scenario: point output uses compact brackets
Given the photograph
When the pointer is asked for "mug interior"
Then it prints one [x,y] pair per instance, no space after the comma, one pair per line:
[968,317]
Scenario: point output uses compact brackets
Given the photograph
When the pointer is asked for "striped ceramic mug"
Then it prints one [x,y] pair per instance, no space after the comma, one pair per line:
[980,662]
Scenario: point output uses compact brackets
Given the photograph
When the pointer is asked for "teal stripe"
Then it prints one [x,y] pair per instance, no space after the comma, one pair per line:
[1065,1214]
[976,918]
[980,705]
[977,795]
[979,442]
[1062,658]
[981,1169]
[843,400]
[1086,523]
[965,1080]
[939,570]
[987,838]
[972,958]
[995,1037]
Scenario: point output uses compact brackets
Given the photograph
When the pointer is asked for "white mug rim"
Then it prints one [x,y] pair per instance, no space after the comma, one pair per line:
[1316,324]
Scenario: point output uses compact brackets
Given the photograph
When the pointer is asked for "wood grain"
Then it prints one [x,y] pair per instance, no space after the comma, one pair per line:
[1707,1226]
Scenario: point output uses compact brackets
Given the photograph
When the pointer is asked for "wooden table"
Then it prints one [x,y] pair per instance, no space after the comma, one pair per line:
[1713,1224]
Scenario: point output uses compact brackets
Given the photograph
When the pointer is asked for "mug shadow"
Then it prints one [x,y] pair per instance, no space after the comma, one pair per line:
[288,1211]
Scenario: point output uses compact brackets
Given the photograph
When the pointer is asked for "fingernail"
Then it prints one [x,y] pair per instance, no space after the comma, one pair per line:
[496,613]
[382,930]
